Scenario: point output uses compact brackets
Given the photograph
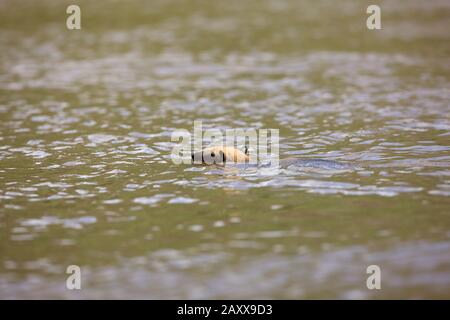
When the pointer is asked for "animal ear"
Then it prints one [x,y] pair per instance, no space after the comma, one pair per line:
[246,150]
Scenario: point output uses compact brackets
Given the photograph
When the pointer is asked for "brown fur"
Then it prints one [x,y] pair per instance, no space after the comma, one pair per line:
[219,155]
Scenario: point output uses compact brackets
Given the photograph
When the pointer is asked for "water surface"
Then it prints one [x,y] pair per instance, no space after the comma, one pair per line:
[86,176]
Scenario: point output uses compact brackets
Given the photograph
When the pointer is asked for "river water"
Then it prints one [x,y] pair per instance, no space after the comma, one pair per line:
[86,176]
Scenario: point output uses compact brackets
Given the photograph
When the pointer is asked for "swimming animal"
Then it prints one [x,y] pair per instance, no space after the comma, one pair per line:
[219,155]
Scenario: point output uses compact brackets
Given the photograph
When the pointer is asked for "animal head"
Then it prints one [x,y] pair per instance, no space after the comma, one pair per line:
[220,155]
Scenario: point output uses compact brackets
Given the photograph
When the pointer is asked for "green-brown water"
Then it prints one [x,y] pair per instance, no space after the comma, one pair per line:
[86,176]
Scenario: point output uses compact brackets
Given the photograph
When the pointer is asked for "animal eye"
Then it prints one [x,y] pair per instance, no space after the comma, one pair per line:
[213,154]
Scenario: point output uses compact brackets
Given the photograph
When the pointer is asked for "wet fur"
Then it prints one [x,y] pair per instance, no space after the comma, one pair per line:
[220,155]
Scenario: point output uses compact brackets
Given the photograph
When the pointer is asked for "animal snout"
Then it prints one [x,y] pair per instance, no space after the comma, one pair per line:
[208,157]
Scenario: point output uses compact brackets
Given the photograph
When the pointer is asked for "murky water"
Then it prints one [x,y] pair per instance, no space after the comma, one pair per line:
[86,176]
